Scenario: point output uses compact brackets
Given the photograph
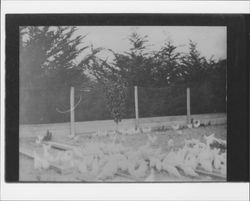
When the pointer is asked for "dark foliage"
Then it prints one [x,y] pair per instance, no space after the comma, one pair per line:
[48,69]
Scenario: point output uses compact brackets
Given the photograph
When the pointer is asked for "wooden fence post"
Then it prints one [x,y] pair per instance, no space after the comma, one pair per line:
[72,112]
[188,106]
[136,108]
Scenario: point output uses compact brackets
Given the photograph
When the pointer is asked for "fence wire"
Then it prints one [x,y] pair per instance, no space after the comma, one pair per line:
[39,105]
[163,101]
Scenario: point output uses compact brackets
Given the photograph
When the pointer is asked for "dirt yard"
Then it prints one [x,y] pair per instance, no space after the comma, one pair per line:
[28,173]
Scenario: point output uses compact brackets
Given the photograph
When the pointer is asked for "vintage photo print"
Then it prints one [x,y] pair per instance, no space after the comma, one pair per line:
[130,103]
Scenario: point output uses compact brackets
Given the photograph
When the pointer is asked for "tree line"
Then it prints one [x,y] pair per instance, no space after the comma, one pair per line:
[52,59]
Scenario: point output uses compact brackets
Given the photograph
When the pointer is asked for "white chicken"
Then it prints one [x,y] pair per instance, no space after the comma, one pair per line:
[170,162]
[192,142]
[185,161]
[180,155]
[89,160]
[120,160]
[108,170]
[104,159]
[191,161]
[37,161]
[205,159]
[123,165]
[40,161]
[132,131]
[83,167]
[66,157]
[224,157]
[209,139]
[78,152]
[158,165]
[217,163]
[98,133]
[216,159]
[179,132]
[112,133]
[201,146]
[39,139]
[138,169]
[71,136]
[146,151]
[94,167]
[133,156]
[74,163]
[170,143]
[152,162]
[222,141]
[146,129]
[195,150]
[188,170]
[50,157]
[45,163]
[174,158]
[175,126]
[122,130]
[152,139]
[151,176]
[170,169]
[76,138]
[207,165]
[196,123]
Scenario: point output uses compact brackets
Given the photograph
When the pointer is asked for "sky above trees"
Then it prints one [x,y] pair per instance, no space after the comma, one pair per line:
[211,41]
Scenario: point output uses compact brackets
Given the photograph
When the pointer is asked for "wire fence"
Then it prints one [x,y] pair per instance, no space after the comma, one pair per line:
[165,101]
[53,105]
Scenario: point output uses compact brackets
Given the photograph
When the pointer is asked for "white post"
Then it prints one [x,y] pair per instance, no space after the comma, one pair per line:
[72,112]
[136,109]
[188,106]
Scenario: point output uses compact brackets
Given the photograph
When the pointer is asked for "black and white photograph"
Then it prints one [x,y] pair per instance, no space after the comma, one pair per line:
[122,103]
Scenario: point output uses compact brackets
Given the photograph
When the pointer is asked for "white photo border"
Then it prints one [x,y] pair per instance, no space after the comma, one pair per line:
[168,191]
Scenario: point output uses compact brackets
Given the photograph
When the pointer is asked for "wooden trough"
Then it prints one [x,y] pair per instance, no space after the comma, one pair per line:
[60,146]
[28,153]
[211,174]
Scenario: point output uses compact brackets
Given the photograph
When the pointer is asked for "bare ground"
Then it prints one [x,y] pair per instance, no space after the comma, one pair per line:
[28,173]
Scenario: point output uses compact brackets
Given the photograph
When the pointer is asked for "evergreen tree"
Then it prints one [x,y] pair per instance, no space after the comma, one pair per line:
[135,65]
[166,68]
[49,65]
[193,65]
[48,57]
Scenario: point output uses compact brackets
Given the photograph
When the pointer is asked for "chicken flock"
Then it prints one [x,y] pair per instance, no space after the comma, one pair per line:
[104,160]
